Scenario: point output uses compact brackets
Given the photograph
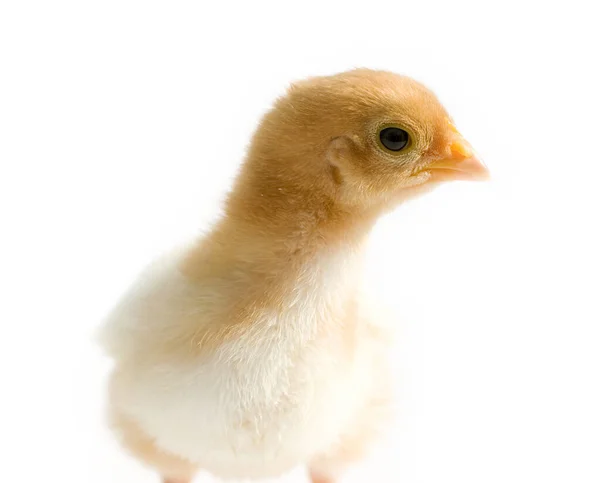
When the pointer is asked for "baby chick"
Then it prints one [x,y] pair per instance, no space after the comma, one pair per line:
[250,351]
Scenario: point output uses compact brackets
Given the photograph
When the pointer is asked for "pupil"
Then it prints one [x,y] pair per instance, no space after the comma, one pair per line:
[394,138]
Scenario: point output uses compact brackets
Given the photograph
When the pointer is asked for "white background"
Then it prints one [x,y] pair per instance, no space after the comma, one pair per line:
[123,122]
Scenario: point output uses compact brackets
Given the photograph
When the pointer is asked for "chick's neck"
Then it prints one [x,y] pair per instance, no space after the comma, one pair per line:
[294,214]
[274,230]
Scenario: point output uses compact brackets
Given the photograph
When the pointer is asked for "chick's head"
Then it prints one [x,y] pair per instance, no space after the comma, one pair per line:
[363,138]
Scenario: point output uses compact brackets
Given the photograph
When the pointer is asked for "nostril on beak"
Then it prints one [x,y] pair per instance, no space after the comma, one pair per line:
[460,150]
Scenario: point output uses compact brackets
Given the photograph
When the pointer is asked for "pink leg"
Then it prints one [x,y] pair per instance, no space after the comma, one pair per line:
[316,478]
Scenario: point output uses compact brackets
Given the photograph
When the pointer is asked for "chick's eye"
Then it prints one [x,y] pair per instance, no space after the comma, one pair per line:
[394,138]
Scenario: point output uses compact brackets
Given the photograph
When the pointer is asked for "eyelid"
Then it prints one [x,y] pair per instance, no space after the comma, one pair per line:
[400,125]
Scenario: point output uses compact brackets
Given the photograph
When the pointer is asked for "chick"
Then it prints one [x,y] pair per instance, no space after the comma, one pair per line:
[250,351]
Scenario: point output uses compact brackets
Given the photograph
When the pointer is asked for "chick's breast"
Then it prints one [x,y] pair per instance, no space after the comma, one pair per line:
[281,392]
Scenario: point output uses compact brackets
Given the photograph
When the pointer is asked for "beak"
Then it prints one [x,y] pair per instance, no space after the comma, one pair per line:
[462,164]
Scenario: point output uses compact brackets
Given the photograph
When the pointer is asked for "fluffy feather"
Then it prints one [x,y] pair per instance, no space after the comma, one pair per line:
[250,351]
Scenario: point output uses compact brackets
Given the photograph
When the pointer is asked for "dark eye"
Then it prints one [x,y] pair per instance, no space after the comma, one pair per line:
[394,138]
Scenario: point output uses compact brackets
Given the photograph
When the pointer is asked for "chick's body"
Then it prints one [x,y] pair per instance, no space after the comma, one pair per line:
[251,352]
[284,390]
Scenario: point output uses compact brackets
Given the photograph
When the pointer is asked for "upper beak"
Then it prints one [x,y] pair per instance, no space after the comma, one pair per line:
[462,164]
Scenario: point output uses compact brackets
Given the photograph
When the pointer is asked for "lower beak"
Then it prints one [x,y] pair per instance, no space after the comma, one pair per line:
[462,164]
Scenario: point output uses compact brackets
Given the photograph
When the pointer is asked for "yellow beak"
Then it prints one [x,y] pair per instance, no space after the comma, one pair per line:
[462,164]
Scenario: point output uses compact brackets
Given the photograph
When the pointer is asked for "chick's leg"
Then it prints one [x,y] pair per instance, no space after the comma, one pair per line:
[172,468]
[316,478]
[368,427]
[329,467]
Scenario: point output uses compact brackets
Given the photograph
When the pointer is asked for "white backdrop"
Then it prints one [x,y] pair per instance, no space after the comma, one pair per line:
[123,122]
